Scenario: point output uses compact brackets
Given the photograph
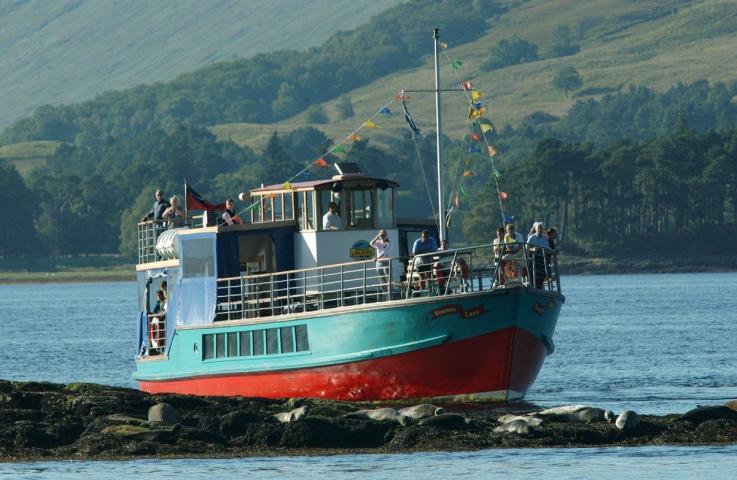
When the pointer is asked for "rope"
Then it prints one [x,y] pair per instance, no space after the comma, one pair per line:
[424,177]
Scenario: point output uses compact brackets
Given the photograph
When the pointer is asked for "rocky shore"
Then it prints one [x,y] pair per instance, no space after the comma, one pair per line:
[88,421]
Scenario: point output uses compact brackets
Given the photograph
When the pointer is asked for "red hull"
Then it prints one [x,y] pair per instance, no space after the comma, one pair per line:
[487,366]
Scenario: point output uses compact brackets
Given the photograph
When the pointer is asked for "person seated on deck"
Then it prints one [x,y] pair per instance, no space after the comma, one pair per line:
[331,220]
[228,216]
[513,254]
[538,245]
[157,211]
[424,244]
[174,214]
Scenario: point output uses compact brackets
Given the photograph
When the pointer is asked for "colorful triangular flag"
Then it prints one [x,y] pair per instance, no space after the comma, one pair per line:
[492,151]
[508,218]
[286,185]
[475,137]
[353,137]
[456,64]
[337,149]
[321,162]
[462,190]
[497,173]
[468,173]
[474,149]
[477,94]
[442,44]
[385,111]
[467,85]
[458,200]
[476,112]
[503,195]
[404,98]
[370,124]
[486,127]
[253,206]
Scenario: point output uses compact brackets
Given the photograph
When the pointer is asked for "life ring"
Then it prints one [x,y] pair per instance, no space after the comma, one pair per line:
[156,333]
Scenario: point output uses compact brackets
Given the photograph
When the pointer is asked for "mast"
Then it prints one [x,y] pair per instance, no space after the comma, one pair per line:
[438,141]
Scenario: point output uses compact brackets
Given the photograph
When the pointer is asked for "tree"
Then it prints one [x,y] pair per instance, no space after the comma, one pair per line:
[563,43]
[345,107]
[512,51]
[17,235]
[566,78]
[316,114]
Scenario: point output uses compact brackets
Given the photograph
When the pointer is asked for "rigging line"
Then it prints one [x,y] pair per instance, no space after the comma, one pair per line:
[486,140]
[424,177]
[458,163]
[330,150]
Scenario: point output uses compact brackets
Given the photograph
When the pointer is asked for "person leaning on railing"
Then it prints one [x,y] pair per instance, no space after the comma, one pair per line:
[174,214]
[513,253]
[423,264]
[157,211]
[538,245]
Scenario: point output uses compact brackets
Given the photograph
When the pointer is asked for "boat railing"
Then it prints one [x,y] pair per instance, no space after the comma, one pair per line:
[459,271]
[149,232]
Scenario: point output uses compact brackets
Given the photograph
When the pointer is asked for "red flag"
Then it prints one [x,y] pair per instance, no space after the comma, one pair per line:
[475,137]
[195,201]
[321,162]
[467,85]
[503,195]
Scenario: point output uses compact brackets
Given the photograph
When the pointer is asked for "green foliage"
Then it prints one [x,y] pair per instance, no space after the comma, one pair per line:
[17,235]
[345,107]
[316,114]
[512,51]
[566,78]
[563,44]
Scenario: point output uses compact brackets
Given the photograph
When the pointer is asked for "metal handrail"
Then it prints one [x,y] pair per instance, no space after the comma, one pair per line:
[456,271]
[148,234]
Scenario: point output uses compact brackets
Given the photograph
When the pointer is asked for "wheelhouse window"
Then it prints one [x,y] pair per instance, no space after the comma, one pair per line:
[359,208]
[385,208]
[272,207]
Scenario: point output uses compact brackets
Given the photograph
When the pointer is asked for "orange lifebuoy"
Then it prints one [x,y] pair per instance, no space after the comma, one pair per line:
[156,333]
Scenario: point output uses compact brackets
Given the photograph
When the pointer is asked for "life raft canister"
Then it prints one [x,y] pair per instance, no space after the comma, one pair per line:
[156,332]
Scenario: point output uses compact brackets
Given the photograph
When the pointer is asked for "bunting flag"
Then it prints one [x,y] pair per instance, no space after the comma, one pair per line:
[462,190]
[195,201]
[410,121]
[476,112]
[497,173]
[254,207]
[475,137]
[468,173]
[476,95]
[286,185]
[370,124]
[443,45]
[478,105]
[403,98]
[456,64]
[338,149]
[507,218]
[321,162]
[386,111]
[458,200]
[467,85]
[485,127]
[474,149]
[492,151]
[503,195]
[353,137]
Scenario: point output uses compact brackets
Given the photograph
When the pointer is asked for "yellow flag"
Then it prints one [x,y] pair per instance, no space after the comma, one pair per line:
[370,124]
[486,127]
[492,151]
[468,173]
[286,186]
[353,137]
[476,94]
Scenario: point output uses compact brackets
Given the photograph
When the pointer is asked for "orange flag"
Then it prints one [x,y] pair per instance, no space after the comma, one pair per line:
[492,151]
[468,173]
[321,162]
[467,85]
[503,195]
[475,137]
[353,137]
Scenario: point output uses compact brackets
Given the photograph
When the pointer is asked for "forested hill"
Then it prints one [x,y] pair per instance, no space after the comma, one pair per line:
[65,51]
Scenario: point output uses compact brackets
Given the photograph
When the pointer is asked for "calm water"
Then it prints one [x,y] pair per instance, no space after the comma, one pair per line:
[652,343]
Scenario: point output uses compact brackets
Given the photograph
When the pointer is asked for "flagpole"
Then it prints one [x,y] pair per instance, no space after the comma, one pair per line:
[438,140]
[186,212]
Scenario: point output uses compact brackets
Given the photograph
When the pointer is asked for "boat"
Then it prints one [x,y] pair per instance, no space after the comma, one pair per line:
[280,306]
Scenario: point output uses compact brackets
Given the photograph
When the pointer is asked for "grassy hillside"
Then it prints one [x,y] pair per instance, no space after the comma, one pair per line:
[28,155]
[69,50]
[650,42]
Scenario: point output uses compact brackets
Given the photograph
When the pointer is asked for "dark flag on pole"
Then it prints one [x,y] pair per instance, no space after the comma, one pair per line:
[195,201]
[409,119]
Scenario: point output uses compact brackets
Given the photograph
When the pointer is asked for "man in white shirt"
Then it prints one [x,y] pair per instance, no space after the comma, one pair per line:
[383,253]
[331,220]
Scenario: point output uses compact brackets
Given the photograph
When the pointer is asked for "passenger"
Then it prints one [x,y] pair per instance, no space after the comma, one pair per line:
[513,254]
[538,245]
[161,304]
[331,220]
[157,212]
[424,244]
[498,253]
[552,234]
[228,216]
[383,253]
[174,214]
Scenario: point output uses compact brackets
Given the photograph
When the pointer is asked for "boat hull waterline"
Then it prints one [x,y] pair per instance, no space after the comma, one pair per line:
[487,348]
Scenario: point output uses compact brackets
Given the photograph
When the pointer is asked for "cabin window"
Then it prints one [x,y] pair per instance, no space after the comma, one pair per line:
[208,347]
[288,213]
[258,342]
[233,344]
[219,345]
[272,341]
[384,208]
[310,209]
[245,346]
[301,336]
[278,210]
[359,209]
[198,257]
[287,339]
[300,210]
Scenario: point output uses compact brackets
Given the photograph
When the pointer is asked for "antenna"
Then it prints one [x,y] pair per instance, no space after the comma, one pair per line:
[438,140]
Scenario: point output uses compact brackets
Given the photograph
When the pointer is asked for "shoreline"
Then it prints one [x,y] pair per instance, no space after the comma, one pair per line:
[573,265]
[43,421]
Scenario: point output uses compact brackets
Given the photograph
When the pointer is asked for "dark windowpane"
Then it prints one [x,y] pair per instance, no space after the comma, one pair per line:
[219,345]
[208,347]
[245,344]
[232,344]
[272,341]
[287,342]
[258,342]
[301,334]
